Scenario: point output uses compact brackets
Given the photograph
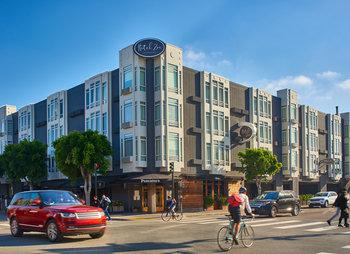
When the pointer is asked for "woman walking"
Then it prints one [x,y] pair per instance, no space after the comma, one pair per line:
[342,203]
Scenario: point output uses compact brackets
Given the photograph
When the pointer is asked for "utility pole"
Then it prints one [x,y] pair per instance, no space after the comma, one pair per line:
[171,166]
[97,166]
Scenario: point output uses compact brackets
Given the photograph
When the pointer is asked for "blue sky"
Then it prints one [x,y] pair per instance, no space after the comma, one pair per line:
[47,46]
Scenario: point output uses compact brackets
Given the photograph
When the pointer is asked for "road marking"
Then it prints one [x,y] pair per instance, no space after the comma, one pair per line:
[161,228]
[254,221]
[322,229]
[346,247]
[4,224]
[301,225]
[325,253]
[275,223]
[199,221]
[348,232]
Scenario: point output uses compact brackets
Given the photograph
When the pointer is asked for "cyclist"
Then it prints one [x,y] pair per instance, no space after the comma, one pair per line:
[238,203]
[171,205]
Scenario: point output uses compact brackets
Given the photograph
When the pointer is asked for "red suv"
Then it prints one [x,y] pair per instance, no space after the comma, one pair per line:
[55,212]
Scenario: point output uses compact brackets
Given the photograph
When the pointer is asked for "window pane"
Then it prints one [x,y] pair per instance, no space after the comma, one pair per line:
[157,113]
[143,113]
[173,112]
[98,92]
[143,149]
[207,92]
[174,146]
[104,92]
[127,77]
[128,145]
[142,79]
[156,78]
[104,123]
[172,77]
[128,111]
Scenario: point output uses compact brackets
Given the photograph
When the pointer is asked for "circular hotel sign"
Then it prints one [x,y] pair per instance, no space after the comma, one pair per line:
[149,47]
[246,132]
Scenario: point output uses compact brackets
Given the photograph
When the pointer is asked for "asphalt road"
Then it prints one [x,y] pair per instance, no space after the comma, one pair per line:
[307,233]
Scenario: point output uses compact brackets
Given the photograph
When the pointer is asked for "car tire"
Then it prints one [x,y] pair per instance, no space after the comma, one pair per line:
[296,210]
[97,235]
[273,212]
[311,206]
[325,204]
[15,229]
[52,231]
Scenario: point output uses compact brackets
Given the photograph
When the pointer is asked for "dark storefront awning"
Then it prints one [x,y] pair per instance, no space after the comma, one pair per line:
[154,178]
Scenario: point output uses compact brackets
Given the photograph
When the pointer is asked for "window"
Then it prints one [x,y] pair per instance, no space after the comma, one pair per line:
[293,111]
[221,94]
[127,77]
[104,124]
[164,113]
[158,148]
[136,148]
[215,93]
[128,111]
[285,161]
[98,121]
[284,137]
[143,148]
[157,113]
[98,92]
[142,79]
[87,99]
[173,146]
[261,105]
[294,161]
[284,113]
[92,121]
[173,112]
[208,121]
[207,92]
[87,123]
[269,109]
[136,113]
[227,155]
[227,128]
[104,92]
[173,78]
[61,108]
[208,159]
[216,152]
[222,153]
[61,131]
[255,105]
[163,76]
[92,95]
[128,145]
[143,113]
[269,135]
[294,135]
[216,122]
[221,123]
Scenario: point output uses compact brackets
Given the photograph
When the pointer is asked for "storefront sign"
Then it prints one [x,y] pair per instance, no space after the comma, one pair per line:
[150,181]
[149,47]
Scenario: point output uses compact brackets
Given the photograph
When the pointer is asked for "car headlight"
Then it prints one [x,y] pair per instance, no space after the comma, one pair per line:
[68,215]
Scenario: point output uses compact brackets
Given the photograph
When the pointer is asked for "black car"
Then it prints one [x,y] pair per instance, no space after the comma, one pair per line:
[273,202]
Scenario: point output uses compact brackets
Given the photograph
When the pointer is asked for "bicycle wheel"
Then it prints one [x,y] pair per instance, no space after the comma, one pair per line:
[247,236]
[166,216]
[225,238]
[178,216]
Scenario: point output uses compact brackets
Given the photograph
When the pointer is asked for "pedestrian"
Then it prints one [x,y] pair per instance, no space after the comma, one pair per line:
[105,202]
[95,201]
[344,208]
[337,211]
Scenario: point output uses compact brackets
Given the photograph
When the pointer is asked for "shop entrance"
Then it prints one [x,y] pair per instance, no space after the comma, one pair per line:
[152,195]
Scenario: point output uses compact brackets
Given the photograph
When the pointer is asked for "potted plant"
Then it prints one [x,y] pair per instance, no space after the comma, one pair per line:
[304,199]
[208,203]
[224,203]
[118,206]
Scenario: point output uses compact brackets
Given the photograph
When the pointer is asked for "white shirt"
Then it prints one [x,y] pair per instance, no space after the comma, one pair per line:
[245,204]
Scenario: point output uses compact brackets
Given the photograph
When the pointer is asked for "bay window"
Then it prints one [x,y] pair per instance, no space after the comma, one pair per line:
[173,112]
[142,79]
[173,146]
[143,148]
[128,111]
[173,82]
[128,145]
[127,77]
[143,113]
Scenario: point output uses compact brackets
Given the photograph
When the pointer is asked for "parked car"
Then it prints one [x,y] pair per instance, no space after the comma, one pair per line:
[323,199]
[273,202]
[57,213]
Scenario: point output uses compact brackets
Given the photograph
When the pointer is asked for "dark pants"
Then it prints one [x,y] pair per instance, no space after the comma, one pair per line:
[344,215]
[235,213]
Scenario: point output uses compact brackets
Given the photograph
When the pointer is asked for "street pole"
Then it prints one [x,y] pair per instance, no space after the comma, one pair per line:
[95,183]
[172,184]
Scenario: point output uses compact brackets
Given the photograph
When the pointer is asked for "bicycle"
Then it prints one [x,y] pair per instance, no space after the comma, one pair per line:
[168,214]
[225,238]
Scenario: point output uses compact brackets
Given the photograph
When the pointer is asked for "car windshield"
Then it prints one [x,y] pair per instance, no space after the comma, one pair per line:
[321,194]
[268,195]
[59,198]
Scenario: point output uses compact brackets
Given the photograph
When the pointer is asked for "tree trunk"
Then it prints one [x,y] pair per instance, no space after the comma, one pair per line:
[87,185]
[258,185]
[11,189]
[30,186]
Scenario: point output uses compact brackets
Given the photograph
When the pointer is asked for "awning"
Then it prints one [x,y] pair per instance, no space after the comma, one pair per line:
[154,178]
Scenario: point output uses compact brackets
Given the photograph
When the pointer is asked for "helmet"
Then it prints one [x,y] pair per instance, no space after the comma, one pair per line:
[242,190]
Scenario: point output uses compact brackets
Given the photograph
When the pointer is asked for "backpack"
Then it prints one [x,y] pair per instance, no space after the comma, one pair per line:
[235,200]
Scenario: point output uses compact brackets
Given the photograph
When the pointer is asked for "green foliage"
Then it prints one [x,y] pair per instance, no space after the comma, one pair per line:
[26,160]
[305,197]
[77,154]
[258,164]
[208,201]
[222,201]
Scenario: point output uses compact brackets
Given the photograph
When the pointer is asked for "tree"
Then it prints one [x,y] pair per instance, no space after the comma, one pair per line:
[32,159]
[77,155]
[258,164]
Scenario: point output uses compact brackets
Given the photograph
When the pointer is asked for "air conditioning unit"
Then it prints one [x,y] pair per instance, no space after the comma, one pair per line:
[127,125]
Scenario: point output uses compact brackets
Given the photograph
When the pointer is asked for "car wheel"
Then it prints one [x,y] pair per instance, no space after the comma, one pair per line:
[296,210]
[311,206]
[53,232]
[97,235]
[16,231]
[325,204]
[273,212]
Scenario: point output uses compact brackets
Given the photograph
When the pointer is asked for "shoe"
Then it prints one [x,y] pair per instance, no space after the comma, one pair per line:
[329,222]
[340,225]
[235,241]
[346,225]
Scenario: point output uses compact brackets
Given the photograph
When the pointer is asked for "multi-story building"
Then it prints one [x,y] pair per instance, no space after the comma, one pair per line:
[155,111]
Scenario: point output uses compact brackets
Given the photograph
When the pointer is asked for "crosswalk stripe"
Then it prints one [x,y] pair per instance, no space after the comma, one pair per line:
[347,232]
[276,223]
[211,222]
[199,221]
[254,222]
[325,253]
[301,225]
[322,229]
[4,224]
[346,247]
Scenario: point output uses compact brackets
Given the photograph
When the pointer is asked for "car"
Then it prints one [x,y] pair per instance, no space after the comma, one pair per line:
[323,199]
[55,212]
[273,202]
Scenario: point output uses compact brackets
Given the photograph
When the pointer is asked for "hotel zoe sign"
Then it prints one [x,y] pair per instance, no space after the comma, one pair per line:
[149,47]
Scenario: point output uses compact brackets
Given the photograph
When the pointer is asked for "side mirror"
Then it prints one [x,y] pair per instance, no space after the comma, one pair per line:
[36,202]
[82,201]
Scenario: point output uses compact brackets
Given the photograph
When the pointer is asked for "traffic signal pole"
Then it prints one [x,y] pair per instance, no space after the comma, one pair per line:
[171,165]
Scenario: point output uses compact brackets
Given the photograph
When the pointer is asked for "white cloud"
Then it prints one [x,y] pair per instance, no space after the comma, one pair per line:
[344,84]
[293,82]
[328,75]
[212,61]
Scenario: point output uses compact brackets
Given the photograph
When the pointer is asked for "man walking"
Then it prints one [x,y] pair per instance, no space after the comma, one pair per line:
[105,202]
[337,212]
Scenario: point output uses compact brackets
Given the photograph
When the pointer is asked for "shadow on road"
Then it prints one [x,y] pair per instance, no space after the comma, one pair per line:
[132,247]
[294,237]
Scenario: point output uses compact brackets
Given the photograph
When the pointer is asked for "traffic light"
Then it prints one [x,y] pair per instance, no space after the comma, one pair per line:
[171,166]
